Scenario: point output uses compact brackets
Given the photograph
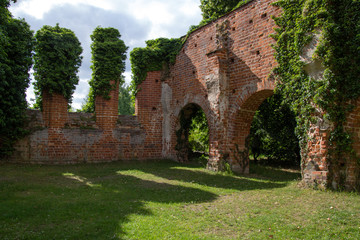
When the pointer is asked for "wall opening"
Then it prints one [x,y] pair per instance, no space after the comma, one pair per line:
[272,140]
[192,135]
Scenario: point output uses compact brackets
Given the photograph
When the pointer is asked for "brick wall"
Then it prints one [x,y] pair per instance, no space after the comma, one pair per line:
[225,69]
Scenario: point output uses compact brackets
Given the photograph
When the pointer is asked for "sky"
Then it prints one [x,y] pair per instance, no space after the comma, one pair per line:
[137,21]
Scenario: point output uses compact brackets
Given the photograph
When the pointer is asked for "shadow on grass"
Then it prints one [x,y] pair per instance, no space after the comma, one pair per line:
[95,201]
[260,178]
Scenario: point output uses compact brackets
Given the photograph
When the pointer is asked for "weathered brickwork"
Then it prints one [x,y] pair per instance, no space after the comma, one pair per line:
[224,68]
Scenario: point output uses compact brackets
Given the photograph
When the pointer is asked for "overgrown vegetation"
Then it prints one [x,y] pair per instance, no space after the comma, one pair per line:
[56,62]
[199,133]
[214,9]
[167,200]
[338,24]
[157,55]
[192,140]
[126,103]
[108,61]
[16,44]
[272,133]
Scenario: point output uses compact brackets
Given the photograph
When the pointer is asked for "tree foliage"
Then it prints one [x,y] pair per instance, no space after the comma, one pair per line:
[199,133]
[213,9]
[16,44]
[57,60]
[126,104]
[88,104]
[108,60]
[272,132]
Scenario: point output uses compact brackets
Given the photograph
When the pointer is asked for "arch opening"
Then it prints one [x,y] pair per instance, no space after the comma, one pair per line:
[272,139]
[192,142]
[264,133]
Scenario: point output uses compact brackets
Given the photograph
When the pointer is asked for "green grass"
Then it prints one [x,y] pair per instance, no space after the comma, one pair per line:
[166,200]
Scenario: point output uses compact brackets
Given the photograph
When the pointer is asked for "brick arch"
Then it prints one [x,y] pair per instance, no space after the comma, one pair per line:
[239,128]
[195,102]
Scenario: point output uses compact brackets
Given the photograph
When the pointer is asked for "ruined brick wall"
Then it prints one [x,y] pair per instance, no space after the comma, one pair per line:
[352,165]
[220,67]
[59,137]
[224,68]
[79,141]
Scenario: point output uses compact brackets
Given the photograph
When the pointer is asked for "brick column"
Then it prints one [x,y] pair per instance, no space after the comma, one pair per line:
[54,110]
[148,109]
[107,109]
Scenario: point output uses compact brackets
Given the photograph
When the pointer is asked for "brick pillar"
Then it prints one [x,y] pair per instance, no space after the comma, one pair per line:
[148,109]
[54,110]
[107,109]
[314,156]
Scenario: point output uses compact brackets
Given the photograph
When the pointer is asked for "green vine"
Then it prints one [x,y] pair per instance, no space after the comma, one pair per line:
[338,24]
[157,54]
[16,46]
[57,60]
[108,61]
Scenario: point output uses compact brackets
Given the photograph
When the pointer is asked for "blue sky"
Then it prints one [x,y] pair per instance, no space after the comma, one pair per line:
[137,21]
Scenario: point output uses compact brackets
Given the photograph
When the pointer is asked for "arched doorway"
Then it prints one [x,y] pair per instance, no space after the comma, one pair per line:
[238,145]
[275,122]
[272,139]
[192,134]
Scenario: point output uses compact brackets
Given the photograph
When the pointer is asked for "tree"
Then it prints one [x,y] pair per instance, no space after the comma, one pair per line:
[126,104]
[199,133]
[272,132]
[57,60]
[16,44]
[108,61]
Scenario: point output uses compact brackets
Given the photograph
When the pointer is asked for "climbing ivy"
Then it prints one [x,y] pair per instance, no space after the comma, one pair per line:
[108,60]
[57,61]
[338,24]
[214,9]
[16,44]
[157,54]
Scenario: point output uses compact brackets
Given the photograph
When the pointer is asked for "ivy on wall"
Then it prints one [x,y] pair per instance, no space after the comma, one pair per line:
[16,44]
[338,24]
[108,60]
[157,54]
[56,61]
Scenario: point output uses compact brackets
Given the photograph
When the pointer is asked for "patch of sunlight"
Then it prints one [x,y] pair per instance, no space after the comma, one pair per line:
[224,174]
[156,179]
[81,179]
[146,176]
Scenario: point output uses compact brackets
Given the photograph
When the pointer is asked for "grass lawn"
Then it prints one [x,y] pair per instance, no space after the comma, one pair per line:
[167,200]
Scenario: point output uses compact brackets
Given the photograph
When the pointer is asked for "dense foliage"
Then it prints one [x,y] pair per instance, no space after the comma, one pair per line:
[338,23]
[108,60]
[272,133]
[16,44]
[57,61]
[213,9]
[155,56]
[126,103]
[199,133]
[89,103]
